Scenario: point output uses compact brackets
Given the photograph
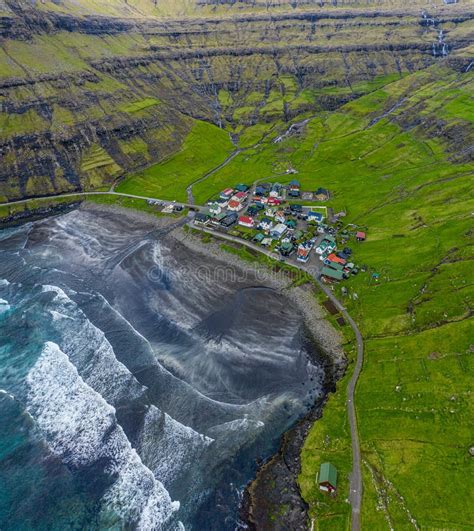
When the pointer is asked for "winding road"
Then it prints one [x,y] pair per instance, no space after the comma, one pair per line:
[356,487]
[189,189]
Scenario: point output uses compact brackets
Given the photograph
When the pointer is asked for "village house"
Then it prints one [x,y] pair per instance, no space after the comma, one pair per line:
[252,210]
[215,208]
[242,188]
[240,196]
[321,194]
[280,216]
[266,224]
[330,275]
[201,219]
[246,221]
[259,237]
[270,212]
[229,220]
[336,259]
[260,191]
[360,236]
[222,202]
[217,218]
[303,252]
[235,206]
[315,217]
[227,193]
[273,201]
[327,478]
[286,248]
[278,231]
[294,188]
[276,190]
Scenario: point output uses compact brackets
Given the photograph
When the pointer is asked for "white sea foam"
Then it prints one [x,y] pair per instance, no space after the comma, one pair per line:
[3,392]
[4,306]
[80,428]
[168,447]
[4,282]
[90,350]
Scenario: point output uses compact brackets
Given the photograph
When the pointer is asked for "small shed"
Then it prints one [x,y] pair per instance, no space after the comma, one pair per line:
[327,477]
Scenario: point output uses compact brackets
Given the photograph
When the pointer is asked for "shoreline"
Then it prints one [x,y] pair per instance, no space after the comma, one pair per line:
[275,484]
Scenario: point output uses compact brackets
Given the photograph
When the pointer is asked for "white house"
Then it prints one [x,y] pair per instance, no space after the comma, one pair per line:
[246,221]
[280,216]
[235,206]
[266,224]
[215,208]
[278,231]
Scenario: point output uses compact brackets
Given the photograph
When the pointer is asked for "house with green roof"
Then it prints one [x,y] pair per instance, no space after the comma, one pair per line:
[332,274]
[327,477]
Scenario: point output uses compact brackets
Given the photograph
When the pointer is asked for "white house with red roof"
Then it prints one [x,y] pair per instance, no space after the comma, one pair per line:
[235,206]
[240,197]
[246,221]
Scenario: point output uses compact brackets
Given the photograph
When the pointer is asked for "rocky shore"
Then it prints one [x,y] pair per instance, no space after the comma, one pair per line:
[272,501]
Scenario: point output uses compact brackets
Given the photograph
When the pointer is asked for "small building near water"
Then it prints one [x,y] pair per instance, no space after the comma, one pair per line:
[327,477]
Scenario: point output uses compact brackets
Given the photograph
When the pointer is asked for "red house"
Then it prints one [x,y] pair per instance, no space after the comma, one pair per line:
[360,236]
[333,258]
[246,221]
[273,201]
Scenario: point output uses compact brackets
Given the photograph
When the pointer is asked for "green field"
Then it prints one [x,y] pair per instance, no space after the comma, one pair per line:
[414,191]
[204,148]
[389,133]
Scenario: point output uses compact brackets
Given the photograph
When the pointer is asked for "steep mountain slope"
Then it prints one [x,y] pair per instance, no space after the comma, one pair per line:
[86,99]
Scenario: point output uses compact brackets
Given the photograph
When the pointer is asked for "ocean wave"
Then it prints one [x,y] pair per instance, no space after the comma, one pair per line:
[80,428]
[89,349]
[4,306]
[168,447]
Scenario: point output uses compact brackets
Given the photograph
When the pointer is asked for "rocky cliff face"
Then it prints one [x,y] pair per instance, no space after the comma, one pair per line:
[85,99]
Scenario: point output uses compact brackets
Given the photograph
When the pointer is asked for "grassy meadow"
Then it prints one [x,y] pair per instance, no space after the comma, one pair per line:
[205,147]
[392,164]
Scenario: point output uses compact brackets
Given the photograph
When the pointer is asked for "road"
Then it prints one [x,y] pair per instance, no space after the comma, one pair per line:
[189,189]
[356,487]
[84,194]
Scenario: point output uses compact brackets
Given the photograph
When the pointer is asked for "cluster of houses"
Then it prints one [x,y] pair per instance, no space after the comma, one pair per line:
[336,265]
[268,217]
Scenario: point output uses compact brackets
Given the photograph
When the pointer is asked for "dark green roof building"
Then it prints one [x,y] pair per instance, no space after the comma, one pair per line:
[332,273]
[327,477]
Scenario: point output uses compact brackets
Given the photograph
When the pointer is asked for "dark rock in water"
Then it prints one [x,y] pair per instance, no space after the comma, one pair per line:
[276,483]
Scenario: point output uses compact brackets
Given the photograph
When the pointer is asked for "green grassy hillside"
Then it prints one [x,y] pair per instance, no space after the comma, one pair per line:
[133,88]
[389,131]
[399,161]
